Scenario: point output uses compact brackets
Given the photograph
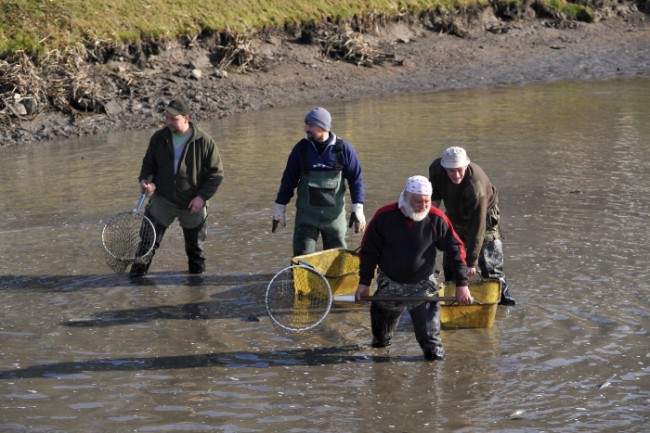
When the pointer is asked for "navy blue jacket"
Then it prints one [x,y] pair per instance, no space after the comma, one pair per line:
[351,169]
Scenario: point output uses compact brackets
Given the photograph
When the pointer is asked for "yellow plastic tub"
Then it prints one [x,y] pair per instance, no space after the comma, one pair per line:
[341,269]
[339,265]
[486,293]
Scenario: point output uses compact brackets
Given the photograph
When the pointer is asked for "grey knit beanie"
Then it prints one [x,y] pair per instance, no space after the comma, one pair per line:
[320,117]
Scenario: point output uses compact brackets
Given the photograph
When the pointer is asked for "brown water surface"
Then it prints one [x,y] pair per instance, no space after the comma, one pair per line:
[84,350]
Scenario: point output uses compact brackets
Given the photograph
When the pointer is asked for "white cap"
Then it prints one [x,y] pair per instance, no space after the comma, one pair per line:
[418,185]
[454,157]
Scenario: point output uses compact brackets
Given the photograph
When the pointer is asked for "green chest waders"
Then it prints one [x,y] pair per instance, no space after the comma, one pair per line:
[320,209]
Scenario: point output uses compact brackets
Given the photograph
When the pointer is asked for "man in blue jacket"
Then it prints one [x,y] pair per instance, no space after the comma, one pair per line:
[318,167]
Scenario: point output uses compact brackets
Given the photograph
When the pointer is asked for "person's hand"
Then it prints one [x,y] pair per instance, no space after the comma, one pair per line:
[196,205]
[472,272]
[357,218]
[146,187]
[463,295]
[279,215]
[362,290]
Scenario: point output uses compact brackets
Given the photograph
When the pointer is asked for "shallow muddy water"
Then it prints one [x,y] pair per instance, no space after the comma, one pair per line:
[84,350]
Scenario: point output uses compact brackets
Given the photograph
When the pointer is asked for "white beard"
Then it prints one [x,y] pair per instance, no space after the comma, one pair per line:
[407,209]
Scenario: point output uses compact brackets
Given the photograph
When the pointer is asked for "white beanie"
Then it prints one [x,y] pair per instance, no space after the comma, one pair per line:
[418,185]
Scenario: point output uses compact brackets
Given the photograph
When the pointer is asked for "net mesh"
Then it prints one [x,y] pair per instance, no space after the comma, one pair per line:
[128,238]
[298,298]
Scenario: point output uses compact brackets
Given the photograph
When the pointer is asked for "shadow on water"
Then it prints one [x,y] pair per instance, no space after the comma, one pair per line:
[313,356]
[69,283]
[218,309]
[242,298]
[228,305]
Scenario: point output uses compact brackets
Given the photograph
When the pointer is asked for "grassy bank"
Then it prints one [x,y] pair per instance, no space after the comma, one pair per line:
[34,27]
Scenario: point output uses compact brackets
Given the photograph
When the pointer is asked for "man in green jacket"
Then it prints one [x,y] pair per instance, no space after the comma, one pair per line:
[471,204]
[182,169]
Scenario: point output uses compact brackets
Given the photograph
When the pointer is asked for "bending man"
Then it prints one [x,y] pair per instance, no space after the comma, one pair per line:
[471,204]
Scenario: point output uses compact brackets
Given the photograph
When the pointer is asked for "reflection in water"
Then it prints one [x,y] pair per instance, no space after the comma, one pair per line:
[86,350]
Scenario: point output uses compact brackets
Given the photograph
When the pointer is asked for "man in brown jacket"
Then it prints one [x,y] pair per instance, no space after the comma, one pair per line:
[471,204]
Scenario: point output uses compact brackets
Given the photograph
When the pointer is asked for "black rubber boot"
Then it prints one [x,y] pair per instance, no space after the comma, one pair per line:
[194,240]
[434,353]
[383,323]
[506,299]
[139,270]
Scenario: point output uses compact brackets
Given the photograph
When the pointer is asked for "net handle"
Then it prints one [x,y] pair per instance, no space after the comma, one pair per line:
[143,196]
[389,298]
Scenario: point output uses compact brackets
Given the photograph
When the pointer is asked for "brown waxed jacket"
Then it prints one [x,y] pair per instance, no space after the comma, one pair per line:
[471,206]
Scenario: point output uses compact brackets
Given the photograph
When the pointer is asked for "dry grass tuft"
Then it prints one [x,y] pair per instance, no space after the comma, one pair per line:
[236,52]
[353,48]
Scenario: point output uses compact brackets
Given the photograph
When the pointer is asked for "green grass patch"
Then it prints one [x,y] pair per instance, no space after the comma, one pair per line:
[573,11]
[35,27]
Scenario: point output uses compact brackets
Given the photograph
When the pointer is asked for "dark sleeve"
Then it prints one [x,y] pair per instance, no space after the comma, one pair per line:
[434,177]
[352,172]
[212,175]
[369,251]
[290,177]
[476,203]
[450,243]
[149,169]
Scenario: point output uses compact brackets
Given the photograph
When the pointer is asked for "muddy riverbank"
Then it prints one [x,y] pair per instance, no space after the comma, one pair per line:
[282,68]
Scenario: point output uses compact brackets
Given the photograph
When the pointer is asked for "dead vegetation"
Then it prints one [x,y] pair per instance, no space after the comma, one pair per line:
[67,81]
[236,52]
[352,48]
[62,81]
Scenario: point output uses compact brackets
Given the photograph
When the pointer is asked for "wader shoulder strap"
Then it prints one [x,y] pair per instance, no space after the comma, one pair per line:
[303,152]
[338,148]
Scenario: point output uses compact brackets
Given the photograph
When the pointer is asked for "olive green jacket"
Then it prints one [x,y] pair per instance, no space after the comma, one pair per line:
[200,171]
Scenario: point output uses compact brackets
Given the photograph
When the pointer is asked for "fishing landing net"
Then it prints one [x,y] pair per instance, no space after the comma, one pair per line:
[298,298]
[128,238]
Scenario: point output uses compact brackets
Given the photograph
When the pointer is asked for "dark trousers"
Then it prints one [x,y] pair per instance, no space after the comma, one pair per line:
[384,316]
[194,241]
[426,326]
[305,237]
